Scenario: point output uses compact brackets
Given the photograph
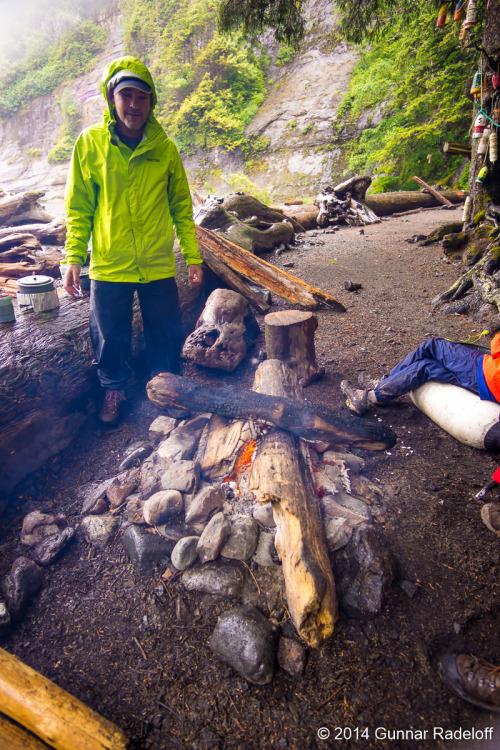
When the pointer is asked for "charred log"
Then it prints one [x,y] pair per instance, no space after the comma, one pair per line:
[311,422]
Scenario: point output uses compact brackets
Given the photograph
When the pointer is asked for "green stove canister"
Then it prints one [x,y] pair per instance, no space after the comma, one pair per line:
[7,314]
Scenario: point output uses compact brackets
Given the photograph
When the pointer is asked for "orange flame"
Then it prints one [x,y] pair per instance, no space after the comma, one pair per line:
[244,461]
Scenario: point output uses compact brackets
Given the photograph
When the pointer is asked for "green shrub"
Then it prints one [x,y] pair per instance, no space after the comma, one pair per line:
[68,132]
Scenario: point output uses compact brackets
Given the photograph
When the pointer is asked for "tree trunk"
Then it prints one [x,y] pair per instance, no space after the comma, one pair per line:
[282,473]
[312,422]
[290,339]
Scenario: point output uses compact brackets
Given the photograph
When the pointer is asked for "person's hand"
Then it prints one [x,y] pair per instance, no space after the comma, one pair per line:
[195,275]
[72,280]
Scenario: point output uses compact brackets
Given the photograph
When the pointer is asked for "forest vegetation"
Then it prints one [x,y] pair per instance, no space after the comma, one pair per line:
[411,80]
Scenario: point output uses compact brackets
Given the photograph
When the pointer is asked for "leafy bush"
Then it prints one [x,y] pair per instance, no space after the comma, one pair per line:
[72,55]
[414,80]
[68,132]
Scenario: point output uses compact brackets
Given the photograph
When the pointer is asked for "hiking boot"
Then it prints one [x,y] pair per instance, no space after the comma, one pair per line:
[368,383]
[110,410]
[356,399]
[490,513]
[472,679]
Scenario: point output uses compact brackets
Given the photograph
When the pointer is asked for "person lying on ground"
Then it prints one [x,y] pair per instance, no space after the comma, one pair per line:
[436,359]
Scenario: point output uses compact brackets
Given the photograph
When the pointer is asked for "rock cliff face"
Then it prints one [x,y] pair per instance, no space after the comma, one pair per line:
[27,138]
[296,123]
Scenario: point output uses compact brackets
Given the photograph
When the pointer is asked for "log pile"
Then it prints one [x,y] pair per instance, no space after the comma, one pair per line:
[25,229]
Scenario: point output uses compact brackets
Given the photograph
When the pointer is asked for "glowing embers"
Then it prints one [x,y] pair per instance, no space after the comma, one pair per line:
[243,465]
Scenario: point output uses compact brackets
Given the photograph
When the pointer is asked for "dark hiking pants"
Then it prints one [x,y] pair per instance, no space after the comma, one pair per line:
[435,359]
[111,328]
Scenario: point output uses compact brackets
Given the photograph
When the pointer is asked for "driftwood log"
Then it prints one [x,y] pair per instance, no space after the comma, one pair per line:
[254,233]
[224,332]
[19,208]
[52,714]
[258,271]
[342,208]
[385,204]
[53,233]
[290,338]
[14,737]
[437,195]
[45,383]
[312,422]
[282,473]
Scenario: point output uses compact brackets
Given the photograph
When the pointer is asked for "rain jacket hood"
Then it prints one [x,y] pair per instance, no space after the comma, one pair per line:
[132,65]
[128,201]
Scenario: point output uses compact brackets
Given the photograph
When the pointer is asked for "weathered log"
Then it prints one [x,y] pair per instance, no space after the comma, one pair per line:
[305,215]
[45,383]
[290,338]
[16,270]
[22,241]
[53,233]
[58,718]
[15,737]
[234,282]
[385,204]
[264,274]
[254,234]
[312,422]
[282,473]
[433,192]
[16,207]
[224,331]
[457,148]
[248,207]
[342,210]
[356,186]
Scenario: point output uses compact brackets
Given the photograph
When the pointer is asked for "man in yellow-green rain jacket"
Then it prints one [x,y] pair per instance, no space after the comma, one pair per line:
[127,189]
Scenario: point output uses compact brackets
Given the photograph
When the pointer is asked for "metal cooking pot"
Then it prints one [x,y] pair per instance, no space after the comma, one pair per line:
[35,284]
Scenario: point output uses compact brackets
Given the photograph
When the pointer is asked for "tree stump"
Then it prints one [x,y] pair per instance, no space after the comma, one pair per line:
[290,338]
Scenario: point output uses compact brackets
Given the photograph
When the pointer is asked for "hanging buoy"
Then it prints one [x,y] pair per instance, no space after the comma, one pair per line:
[479,126]
[466,209]
[482,174]
[470,18]
[493,146]
[476,83]
[441,18]
[483,143]
[495,80]
[459,11]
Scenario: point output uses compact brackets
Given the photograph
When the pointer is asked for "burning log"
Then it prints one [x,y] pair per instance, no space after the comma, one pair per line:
[260,272]
[290,339]
[282,473]
[52,714]
[312,422]
[224,331]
